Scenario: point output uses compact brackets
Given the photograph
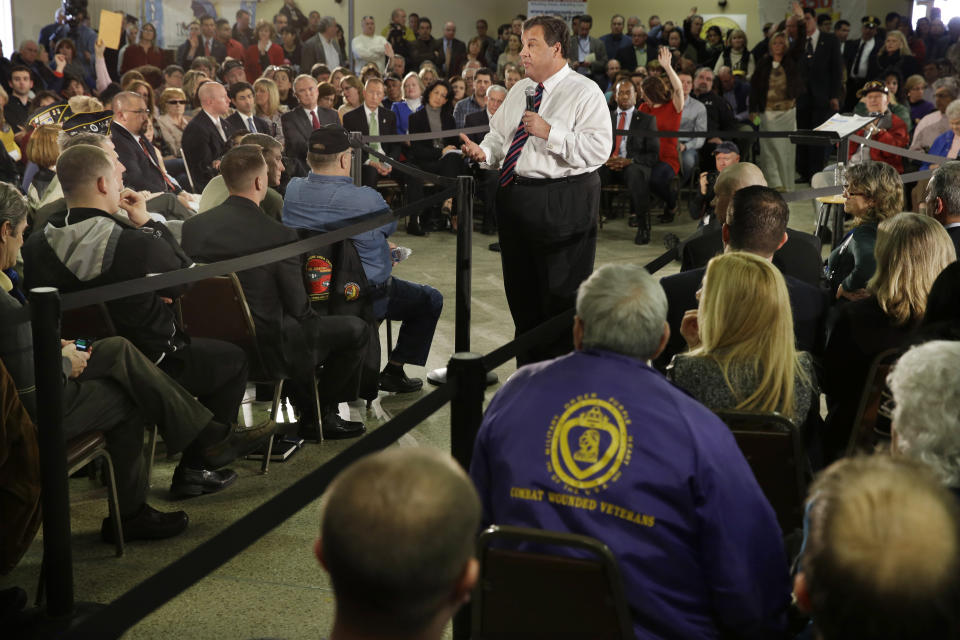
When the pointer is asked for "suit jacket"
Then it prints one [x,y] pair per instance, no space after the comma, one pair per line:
[275,292]
[296,133]
[312,52]
[356,120]
[218,50]
[423,50]
[476,119]
[598,67]
[627,57]
[850,55]
[202,145]
[641,150]
[824,71]
[808,303]
[954,233]
[262,125]
[458,55]
[424,150]
[142,174]
[799,257]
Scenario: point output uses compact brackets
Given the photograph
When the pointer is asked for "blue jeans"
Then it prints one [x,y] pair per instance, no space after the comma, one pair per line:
[418,308]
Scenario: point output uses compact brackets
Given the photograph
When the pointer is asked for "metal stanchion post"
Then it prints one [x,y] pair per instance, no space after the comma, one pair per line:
[57,554]
[464,200]
[356,167]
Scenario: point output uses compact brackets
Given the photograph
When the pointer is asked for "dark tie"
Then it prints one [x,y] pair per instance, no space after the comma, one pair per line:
[206,47]
[856,61]
[313,117]
[519,139]
[619,138]
[251,126]
[145,145]
[809,46]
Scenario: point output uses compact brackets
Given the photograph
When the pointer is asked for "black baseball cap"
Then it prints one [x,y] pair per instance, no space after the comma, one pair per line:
[726,147]
[328,139]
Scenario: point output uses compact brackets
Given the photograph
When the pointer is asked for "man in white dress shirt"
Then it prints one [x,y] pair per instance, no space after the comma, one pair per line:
[369,47]
[549,195]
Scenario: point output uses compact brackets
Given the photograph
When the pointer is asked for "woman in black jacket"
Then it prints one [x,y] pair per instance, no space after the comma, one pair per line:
[439,155]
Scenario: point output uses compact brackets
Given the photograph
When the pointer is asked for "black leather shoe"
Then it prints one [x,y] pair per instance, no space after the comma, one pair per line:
[399,383]
[194,482]
[237,444]
[148,524]
[336,428]
[667,216]
[632,221]
[643,236]
[413,228]
[494,246]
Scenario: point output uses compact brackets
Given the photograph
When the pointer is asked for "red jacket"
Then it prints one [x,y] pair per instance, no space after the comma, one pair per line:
[251,60]
[896,135]
[135,56]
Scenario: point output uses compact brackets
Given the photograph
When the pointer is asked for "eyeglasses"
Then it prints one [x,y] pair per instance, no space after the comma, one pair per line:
[176,102]
[849,194]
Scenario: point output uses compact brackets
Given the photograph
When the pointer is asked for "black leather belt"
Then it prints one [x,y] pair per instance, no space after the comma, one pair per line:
[531,182]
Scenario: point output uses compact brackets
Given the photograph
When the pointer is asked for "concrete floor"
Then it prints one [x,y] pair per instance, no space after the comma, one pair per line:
[275,588]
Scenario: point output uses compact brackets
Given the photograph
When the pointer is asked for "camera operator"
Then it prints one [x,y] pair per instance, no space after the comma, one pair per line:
[702,207]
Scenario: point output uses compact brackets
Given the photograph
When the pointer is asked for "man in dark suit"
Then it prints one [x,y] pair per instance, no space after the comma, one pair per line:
[637,52]
[384,120]
[323,47]
[487,179]
[293,340]
[136,153]
[823,68]
[632,157]
[299,123]
[424,48]
[454,51]
[241,94]
[799,256]
[209,45]
[759,226]
[860,58]
[943,199]
[205,137]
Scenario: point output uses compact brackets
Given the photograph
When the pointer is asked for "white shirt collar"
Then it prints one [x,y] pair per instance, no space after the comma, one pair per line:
[551,83]
[629,111]
[814,38]
[952,225]
[216,119]
[368,110]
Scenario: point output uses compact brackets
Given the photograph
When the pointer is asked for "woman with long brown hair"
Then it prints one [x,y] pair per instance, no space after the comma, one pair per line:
[664,101]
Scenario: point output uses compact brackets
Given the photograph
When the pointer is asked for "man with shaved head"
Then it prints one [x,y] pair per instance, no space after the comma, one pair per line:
[397,538]
[882,554]
[206,135]
[798,257]
[138,155]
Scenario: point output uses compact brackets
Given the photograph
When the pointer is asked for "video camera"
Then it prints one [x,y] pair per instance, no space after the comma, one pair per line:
[75,11]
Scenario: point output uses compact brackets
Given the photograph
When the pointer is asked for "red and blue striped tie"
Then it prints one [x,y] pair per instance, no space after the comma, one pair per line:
[519,139]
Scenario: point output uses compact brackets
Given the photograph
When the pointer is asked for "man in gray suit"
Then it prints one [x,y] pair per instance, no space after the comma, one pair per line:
[588,56]
[323,47]
[299,123]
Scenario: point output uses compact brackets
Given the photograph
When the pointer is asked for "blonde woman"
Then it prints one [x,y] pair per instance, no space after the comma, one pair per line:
[873,192]
[777,82]
[42,152]
[191,80]
[352,91]
[895,55]
[267,100]
[736,55]
[911,251]
[412,93]
[742,342]
[173,118]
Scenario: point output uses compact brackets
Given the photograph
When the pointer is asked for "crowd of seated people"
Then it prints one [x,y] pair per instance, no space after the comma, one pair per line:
[239,154]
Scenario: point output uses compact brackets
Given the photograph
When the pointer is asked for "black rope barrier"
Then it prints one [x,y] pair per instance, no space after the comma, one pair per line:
[409,169]
[148,596]
[429,135]
[168,279]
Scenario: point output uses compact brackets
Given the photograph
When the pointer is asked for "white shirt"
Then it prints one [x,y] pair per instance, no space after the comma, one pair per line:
[331,52]
[309,116]
[580,137]
[814,39]
[216,123]
[861,71]
[248,122]
[622,151]
[928,129]
[367,49]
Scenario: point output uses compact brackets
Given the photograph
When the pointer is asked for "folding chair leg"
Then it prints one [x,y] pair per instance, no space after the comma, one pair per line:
[316,401]
[152,446]
[114,505]
[274,414]
[389,338]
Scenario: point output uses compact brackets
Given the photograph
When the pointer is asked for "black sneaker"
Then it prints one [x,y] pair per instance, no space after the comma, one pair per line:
[399,382]
[148,524]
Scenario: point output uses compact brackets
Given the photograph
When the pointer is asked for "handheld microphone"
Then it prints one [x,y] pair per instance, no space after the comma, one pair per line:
[531,93]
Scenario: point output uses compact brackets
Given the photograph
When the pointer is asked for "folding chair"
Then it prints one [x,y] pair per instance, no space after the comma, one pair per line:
[773,447]
[873,414]
[540,595]
[186,168]
[217,308]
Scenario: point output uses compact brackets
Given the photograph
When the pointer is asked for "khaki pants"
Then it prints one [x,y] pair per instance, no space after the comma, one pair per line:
[777,155]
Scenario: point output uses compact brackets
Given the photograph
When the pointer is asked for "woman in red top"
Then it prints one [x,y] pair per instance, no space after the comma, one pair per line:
[665,103]
[145,51]
[262,53]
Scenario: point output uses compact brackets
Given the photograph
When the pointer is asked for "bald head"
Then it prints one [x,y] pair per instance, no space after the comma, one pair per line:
[883,555]
[397,538]
[213,98]
[733,178]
